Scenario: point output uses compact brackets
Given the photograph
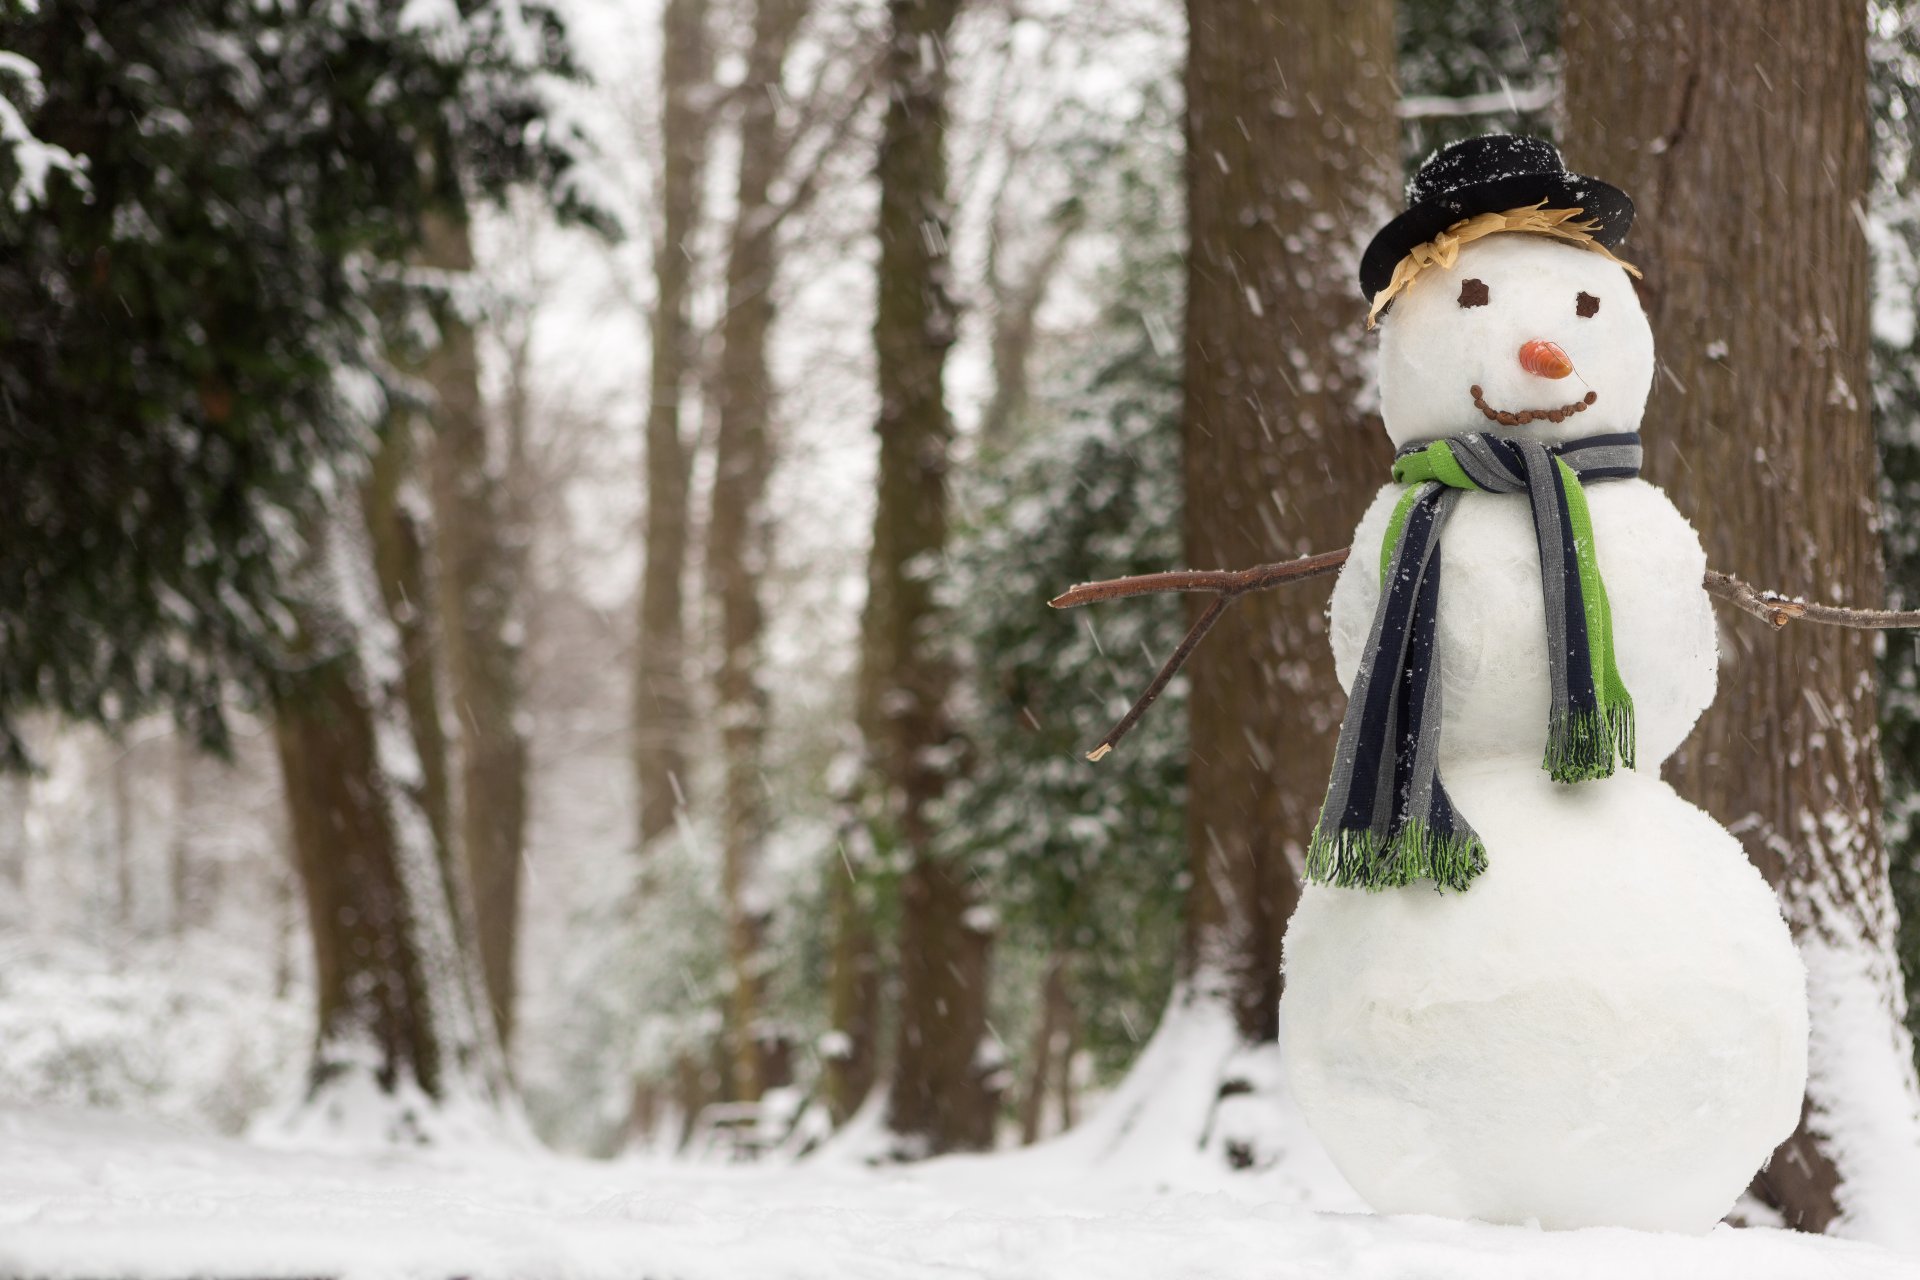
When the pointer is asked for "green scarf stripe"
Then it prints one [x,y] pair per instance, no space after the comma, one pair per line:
[1583,750]
[1435,462]
[1396,525]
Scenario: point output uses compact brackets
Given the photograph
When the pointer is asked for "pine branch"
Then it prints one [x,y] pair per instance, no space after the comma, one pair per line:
[1229,585]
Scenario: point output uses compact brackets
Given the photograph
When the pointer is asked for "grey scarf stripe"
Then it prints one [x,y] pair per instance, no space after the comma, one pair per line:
[1341,783]
[1542,491]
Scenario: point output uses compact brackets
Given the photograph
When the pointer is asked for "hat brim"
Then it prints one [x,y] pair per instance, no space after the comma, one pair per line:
[1607,206]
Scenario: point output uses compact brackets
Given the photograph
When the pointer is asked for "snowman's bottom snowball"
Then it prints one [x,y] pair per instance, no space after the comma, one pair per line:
[1608,1029]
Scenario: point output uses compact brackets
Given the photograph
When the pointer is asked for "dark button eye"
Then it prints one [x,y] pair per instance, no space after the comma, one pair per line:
[1585,304]
[1473,293]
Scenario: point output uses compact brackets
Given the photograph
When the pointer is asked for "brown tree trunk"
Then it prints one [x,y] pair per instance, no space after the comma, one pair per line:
[940,1099]
[853,997]
[1292,158]
[395,999]
[1049,1050]
[478,560]
[738,544]
[661,710]
[370,978]
[400,564]
[1741,133]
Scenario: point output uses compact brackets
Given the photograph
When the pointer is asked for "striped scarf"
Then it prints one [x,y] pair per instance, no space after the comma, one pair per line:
[1387,819]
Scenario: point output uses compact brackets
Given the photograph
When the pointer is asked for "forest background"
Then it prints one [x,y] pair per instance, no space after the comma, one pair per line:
[523,611]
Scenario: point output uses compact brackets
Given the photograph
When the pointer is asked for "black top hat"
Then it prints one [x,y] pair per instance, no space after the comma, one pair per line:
[1490,174]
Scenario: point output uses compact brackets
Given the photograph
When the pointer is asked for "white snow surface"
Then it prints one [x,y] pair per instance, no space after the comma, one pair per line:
[87,1195]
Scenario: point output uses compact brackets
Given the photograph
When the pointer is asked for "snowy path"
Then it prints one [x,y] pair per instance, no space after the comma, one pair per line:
[98,1196]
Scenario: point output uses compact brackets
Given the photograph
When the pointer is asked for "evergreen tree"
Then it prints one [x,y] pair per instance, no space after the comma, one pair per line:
[192,364]
[186,317]
[1895,96]
[1085,863]
[1469,67]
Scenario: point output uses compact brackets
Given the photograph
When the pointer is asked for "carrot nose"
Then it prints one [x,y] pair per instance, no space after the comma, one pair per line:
[1545,359]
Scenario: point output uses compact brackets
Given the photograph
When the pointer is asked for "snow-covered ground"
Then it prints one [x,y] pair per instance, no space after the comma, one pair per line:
[90,1195]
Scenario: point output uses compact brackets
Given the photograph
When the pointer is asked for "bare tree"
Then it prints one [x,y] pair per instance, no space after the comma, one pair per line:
[737,532]
[1742,134]
[660,691]
[940,1098]
[478,557]
[1017,292]
[1292,156]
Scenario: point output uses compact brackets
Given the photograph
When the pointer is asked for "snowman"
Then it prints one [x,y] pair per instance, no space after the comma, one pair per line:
[1600,1019]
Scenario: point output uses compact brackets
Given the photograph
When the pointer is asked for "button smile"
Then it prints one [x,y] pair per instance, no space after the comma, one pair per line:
[1521,418]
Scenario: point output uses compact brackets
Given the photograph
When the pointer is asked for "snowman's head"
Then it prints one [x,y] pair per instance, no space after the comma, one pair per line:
[1522,335]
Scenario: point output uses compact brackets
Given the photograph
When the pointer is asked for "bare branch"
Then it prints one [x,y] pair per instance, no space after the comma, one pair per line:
[833,133]
[1195,634]
[1229,585]
[1230,582]
[1773,608]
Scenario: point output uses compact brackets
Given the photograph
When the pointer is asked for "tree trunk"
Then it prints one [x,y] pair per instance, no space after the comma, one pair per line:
[738,545]
[661,710]
[940,1099]
[400,565]
[1017,298]
[180,835]
[1292,159]
[396,999]
[1049,1051]
[853,997]
[1741,133]
[478,561]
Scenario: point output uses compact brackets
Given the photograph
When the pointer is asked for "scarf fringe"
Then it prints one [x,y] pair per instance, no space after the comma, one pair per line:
[1366,860]
[1583,747]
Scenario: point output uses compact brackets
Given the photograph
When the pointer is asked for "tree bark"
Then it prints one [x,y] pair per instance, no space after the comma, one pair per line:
[661,704]
[400,565]
[1741,133]
[396,1000]
[1292,158]
[940,1098]
[1047,1058]
[478,587]
[738,544]
[369,975]
[853,997]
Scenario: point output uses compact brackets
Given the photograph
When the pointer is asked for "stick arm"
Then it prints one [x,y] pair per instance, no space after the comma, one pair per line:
[1228,585]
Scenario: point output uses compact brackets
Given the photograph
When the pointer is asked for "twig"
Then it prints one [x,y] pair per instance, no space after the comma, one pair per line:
[1773,608]
[1195,634]
[1229,585]
[1229,582]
